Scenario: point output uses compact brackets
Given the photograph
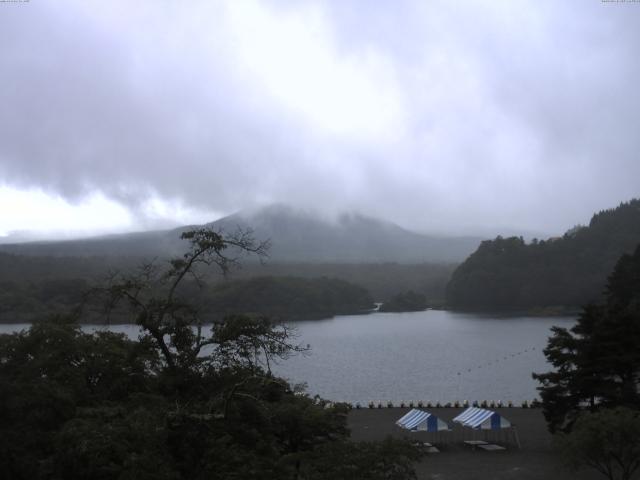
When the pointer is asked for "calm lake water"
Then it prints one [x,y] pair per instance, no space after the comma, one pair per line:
[429,356]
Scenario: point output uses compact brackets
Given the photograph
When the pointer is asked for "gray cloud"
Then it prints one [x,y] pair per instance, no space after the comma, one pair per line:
[446,118]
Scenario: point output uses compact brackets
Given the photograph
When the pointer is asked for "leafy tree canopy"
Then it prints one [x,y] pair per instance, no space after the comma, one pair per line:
[607,441]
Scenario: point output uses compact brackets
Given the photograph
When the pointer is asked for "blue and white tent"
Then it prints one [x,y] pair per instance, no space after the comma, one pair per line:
[421,421]
[482,419]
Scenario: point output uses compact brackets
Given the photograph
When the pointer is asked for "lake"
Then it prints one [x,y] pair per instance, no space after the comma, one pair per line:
[430,356]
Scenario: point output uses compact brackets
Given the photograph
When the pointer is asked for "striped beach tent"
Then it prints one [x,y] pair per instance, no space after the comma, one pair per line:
[421,421]
[482,419]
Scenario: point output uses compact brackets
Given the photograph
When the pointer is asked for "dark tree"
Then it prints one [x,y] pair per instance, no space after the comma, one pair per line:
[154,296]
[597,362]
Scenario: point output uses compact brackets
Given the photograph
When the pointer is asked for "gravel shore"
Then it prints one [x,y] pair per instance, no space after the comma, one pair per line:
[535,459]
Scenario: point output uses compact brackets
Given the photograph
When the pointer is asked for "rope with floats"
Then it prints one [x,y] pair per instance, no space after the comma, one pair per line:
[505,357]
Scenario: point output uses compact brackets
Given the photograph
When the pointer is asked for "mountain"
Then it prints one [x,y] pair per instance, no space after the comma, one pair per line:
[295,236]
[569,271]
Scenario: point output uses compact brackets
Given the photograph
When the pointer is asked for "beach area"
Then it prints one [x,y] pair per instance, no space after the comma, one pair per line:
[535,459]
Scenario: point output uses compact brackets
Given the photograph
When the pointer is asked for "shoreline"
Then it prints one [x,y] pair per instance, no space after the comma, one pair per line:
[541,313]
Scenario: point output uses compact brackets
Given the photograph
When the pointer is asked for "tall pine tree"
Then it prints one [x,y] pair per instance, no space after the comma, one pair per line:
[597,362]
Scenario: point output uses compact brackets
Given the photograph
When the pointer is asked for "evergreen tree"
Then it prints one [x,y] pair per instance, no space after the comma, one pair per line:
[597,362]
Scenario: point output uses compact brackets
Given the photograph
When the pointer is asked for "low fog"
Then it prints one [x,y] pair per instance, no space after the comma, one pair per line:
[444,117]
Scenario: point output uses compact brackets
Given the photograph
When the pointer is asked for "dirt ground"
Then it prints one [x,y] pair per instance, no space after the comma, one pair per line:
[535,459]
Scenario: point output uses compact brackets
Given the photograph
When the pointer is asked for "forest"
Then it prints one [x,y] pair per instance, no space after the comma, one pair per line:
[283,298]
[560,274]
[32,287]
[289,298]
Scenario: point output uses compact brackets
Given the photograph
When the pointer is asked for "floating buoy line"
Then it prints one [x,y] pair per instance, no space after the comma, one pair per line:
[535,403]
[456,404]
[497,361]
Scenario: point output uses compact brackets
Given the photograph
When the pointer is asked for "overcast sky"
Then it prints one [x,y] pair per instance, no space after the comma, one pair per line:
[466,116]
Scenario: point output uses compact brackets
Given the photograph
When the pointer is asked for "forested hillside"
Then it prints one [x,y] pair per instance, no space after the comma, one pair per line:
[382,280]
[33,287]
[282,298]
[288,298]
[507,273]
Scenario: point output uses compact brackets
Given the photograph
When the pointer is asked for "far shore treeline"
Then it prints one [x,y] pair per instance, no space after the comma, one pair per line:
[281,298]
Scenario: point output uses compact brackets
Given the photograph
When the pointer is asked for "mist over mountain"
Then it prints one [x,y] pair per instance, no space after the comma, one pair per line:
[299,236]
[295,236]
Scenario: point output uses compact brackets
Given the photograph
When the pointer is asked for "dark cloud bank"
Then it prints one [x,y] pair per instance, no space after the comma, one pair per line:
[442,118]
